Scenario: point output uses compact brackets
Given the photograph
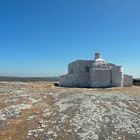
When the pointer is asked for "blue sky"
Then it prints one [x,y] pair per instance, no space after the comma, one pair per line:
[40,37]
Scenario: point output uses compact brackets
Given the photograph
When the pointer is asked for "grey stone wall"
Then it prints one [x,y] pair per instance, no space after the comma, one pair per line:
[100,78]
[117,76]
[69,80]
[73,67]
[82,69]
[127,80]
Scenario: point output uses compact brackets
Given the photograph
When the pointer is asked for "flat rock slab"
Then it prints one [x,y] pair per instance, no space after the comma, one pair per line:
[41,111]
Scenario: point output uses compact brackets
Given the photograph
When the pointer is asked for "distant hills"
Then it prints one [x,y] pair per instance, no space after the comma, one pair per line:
[28,79]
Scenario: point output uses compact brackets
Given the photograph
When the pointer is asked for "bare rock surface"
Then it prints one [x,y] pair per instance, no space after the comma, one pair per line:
[41,111]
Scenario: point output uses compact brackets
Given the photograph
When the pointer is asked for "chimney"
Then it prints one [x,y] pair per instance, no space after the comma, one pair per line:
[97,55]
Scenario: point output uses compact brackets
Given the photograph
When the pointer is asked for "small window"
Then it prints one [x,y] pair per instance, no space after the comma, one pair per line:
[71,71]
[87,69]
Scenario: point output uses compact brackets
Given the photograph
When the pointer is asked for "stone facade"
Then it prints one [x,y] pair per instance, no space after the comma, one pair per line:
[95,73]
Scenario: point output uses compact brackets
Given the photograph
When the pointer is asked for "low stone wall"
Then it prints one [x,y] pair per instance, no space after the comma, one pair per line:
[68,80]
[127,80]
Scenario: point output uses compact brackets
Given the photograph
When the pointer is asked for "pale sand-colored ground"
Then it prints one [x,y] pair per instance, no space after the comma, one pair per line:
[41,111]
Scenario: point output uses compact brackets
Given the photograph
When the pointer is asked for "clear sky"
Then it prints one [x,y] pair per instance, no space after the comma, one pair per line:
[40,37]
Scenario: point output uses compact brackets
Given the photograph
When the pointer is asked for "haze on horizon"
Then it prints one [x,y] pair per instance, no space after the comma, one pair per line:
[39,38]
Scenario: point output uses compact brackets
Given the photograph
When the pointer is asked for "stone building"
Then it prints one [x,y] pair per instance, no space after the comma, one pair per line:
[95,73]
